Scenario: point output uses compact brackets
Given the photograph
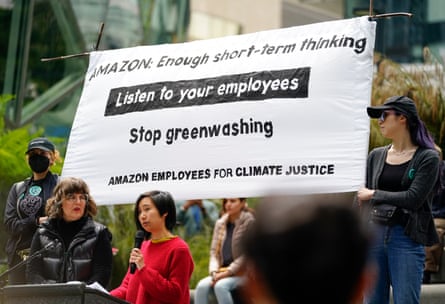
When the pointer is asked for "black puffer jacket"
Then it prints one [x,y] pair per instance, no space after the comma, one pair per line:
[87,258]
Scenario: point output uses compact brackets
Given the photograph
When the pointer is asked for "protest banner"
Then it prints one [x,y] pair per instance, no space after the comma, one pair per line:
[279,111]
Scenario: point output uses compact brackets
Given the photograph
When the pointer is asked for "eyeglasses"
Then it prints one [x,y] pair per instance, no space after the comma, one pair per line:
[73,197]
[386,114]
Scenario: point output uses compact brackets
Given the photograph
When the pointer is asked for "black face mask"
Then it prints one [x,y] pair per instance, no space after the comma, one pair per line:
[38,163]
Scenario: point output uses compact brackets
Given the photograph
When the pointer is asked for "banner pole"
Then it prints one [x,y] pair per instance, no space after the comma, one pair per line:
[391,15]
[80,54]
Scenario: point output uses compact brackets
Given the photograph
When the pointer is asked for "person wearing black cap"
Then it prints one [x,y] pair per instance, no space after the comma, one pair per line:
[25,205]
[400,179]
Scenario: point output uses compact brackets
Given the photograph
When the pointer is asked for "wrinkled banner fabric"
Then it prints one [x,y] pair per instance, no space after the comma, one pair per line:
[279,111]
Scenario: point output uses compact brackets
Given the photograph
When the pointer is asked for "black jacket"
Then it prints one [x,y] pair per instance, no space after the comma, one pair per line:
[21,227]
[438,207]
[420,179]
[87,258]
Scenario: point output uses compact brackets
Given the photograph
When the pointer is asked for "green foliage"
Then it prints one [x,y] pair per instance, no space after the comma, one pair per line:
[13,166]
[120,221]
[200,249]
[13,144]
[3,102]
[423,83]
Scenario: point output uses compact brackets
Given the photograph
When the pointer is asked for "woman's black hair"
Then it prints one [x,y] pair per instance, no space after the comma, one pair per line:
[164,203]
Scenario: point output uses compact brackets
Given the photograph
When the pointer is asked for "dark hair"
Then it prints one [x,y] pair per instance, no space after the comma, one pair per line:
[69,185]
[224,201]
[406,106]
[319,249]
[420,135]
[164,203]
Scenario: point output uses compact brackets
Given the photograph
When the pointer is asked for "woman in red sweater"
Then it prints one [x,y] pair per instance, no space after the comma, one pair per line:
[164,263]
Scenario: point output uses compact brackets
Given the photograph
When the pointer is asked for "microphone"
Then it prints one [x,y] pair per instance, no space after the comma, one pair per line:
[50,245]
[139,237]
[37,254]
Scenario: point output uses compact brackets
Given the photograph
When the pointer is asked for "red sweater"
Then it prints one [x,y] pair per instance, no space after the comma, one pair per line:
[164,278]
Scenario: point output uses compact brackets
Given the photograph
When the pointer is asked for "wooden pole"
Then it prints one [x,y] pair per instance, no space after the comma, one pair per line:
[101,29]
[372,16]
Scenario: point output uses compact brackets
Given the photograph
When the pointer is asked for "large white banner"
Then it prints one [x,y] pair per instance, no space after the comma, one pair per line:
[280,111]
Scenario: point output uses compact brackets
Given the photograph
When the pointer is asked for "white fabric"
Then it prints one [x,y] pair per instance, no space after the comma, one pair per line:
[293,97]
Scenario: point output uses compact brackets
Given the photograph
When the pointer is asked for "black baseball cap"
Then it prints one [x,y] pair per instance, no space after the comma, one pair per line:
[401,104]
[41,143]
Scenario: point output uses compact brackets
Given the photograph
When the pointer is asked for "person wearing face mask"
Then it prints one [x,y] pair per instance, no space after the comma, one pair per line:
[25,205]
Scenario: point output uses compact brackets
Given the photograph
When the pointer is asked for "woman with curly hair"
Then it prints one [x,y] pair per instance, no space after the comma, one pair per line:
[75,247]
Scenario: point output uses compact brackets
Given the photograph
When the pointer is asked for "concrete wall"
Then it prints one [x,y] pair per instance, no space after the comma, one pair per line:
[257,15]
[252,16]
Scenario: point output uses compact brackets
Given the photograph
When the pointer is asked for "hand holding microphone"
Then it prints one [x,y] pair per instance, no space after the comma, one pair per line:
[136,254]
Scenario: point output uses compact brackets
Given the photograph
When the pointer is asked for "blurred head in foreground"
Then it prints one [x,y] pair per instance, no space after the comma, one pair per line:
[307,250]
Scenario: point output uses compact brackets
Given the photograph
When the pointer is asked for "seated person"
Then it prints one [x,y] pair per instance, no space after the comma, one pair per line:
[193,214]
[226,259]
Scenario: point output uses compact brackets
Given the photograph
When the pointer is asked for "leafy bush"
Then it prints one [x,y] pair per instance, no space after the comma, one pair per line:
[424,83]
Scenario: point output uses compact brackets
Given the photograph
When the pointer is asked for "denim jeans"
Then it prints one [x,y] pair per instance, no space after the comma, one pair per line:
[222,289]
[400,263]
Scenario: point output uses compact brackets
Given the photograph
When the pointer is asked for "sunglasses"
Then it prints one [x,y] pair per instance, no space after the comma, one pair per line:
[386,114]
